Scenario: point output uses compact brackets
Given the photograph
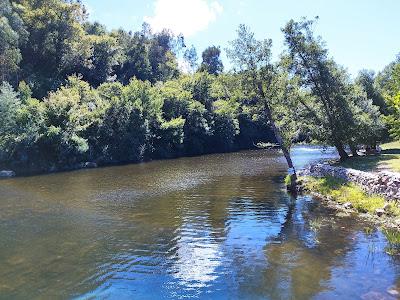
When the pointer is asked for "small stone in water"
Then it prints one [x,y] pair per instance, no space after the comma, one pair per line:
[392,291]
[373,296]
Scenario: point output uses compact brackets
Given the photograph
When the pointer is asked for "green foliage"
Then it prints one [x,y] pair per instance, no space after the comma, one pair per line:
[129,101]
[337,112]
[9,106]
[115,123]
[12,35]
[366,80]
[212,62]
[288,180]
[258,75]
[393,239]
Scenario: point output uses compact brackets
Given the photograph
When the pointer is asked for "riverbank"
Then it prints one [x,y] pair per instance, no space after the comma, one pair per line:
[388,160]
[10,170]
[348,198]
[373,194]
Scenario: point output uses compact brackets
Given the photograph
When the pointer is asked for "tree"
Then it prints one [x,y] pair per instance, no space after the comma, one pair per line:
[190,57]
[104,56]
[135,60]
[252,58]
[212,62]
[56,46]
[326,81]
[12,35]
[69,112]
[9,105]
[366,80]
[162,57]
[197,129]
[388,82]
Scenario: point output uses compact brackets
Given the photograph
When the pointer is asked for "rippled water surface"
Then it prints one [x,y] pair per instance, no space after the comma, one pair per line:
[211,227]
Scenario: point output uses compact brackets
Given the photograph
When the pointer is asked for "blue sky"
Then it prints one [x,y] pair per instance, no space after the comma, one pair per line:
[360,34]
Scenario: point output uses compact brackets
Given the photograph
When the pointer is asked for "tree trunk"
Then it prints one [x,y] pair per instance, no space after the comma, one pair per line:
[353,149]
[279,139]
[285,150]
[342,153]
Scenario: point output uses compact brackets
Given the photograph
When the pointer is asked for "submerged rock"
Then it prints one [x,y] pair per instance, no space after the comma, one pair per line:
[393,291]
[7,174]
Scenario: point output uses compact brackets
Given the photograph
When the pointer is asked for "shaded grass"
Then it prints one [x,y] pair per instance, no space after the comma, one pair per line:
[388,159]
[343,192]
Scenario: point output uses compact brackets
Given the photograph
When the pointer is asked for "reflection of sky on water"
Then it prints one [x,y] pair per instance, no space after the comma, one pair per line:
[211,227]
[197,260]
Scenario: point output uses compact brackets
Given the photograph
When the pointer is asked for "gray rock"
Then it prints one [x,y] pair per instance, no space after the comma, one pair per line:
[7,174]
[347,205]
[387,184]
[90,165]
[393,291]
[379,212]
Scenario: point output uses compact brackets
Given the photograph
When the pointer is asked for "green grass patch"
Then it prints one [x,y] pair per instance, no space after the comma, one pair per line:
[288,180]
[391,146]
[393,238]
[388,159]
[342,192]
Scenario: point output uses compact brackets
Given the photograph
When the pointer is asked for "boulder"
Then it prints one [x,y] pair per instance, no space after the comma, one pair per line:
[7,174]
[379,212]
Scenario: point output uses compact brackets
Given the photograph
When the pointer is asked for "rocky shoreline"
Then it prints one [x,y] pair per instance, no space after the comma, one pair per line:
[385,184]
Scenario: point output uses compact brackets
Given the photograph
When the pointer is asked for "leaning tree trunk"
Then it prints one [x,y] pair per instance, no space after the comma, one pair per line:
[286,154]
[285,150]
[279,139]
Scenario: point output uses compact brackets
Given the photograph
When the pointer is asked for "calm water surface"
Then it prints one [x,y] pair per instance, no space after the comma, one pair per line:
[211,227]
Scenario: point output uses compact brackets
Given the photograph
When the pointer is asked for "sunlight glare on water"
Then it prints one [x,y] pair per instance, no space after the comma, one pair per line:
[217,226]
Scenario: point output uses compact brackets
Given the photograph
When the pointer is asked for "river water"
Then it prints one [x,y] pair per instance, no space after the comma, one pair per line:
[211,227]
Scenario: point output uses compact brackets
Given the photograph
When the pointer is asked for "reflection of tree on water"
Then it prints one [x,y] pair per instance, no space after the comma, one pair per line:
[166,229]
[301,258]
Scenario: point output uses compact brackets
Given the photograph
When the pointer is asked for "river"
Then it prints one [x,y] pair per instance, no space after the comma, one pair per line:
[211,227]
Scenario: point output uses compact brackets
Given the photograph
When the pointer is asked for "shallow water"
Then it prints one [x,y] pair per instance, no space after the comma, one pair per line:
[212,227]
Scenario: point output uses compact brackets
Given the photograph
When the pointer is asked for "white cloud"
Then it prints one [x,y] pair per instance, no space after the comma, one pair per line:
[184,16]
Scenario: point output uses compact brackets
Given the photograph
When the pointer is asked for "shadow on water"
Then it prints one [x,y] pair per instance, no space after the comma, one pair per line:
[218,226]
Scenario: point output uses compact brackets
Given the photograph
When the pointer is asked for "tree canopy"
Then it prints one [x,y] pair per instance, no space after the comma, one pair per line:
[74,91]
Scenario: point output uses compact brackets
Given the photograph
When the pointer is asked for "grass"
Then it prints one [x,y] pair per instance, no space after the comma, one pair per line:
[343,192]
[393,238]
[388,159]
[288,180]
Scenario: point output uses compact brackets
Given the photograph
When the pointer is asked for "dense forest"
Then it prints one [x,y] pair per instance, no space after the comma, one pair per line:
[73,92]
